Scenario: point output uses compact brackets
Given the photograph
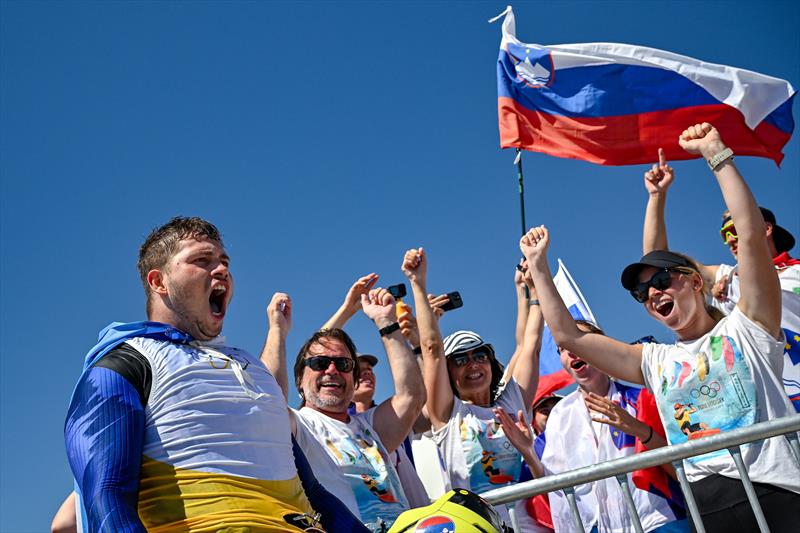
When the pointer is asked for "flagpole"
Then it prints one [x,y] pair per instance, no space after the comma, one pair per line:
[520,177]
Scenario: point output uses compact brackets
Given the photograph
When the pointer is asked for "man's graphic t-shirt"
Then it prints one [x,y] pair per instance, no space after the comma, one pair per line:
[360,458]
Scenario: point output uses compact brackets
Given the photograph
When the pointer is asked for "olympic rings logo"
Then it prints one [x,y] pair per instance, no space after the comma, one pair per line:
[711,390]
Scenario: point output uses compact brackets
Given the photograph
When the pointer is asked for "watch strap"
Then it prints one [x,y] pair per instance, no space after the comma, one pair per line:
[391,328]
[720,158]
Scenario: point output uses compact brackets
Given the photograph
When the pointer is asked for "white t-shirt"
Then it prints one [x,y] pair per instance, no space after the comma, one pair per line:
[573,441]
[476,452]
[724,380]
[789,279]
[351,462]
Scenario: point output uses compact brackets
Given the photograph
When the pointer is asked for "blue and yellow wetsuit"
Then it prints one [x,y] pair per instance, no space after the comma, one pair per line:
[169,434]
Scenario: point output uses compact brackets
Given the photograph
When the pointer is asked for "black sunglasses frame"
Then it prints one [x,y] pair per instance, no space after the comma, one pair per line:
[342,364]
[660,281]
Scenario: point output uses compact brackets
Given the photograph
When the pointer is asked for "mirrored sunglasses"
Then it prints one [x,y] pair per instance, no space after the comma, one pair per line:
[320,363]
[462,359]
[728,232]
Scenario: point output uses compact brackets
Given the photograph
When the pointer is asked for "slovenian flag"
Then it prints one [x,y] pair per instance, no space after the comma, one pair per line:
[550,368]
[616,104]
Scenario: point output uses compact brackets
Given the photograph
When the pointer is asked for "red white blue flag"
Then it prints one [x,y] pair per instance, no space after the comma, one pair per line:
[616,104]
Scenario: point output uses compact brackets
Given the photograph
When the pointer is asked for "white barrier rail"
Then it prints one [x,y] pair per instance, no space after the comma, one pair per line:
[619,468]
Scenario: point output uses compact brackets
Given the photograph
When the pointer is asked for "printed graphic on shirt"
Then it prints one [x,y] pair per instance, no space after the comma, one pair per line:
[706,394]
[491,459]
[375,486]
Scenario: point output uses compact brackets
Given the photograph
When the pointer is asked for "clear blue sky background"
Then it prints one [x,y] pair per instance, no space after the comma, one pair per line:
[324,139]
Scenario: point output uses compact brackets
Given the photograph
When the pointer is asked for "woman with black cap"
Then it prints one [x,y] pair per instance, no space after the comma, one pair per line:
[722,373]
[463,380]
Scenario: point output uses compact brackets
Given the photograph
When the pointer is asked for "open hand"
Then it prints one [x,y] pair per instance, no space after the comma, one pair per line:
[658,179]
[605,411]
[362,286]
[517,431]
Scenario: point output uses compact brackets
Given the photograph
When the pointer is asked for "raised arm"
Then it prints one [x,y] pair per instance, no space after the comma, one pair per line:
[395,416]
[760,298]
[522,318]
[657,181]
[352,302]
[273,355]
[437,382]
[526,368]
[613,357]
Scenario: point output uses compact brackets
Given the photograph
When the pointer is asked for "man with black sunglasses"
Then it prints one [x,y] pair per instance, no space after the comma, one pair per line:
[724,278]
[351,451]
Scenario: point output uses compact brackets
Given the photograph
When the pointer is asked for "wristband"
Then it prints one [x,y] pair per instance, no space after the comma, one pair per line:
[417,350]
[533,302]
[645,441]
[716,161]
[391,328]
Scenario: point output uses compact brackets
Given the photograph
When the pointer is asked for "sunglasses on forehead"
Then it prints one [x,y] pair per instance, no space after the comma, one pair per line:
[660,281]
[480,356]
[320,363]
[728,231]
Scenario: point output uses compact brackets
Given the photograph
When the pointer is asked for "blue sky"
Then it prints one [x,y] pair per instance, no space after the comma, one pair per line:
[324,139]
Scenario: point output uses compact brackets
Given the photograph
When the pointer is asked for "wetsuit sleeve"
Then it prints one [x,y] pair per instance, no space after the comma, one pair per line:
[335,515]
[104,435]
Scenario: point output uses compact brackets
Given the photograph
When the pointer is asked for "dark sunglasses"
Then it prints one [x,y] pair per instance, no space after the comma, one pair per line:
[320,363]
[463,358]
[660,281]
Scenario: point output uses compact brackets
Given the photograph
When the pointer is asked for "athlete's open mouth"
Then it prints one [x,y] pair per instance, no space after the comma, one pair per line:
[218,300]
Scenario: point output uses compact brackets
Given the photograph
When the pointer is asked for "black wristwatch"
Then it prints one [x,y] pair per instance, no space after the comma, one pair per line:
[391,328]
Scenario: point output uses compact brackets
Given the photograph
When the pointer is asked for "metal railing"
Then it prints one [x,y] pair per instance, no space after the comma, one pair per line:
[620,468]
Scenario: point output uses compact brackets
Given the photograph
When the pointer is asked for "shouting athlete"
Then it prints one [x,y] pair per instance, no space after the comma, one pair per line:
[170,428]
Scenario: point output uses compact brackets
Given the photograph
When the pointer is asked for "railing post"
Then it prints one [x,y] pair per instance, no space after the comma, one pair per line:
[694,511]
[794,445]
[626,493]
[736,453]
[512,514]
[573,506]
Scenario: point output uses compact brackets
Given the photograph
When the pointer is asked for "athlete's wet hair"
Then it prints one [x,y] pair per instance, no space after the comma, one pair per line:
[162,243]
[320,337]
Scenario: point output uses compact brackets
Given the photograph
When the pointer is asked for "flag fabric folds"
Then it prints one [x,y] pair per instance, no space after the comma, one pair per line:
[550,368]
[616,104]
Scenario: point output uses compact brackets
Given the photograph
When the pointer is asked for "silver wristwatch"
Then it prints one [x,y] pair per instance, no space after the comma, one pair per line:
[720,158]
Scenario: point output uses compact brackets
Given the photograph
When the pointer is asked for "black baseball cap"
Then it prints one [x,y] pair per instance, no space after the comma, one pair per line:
[367,358]
[784,241]
[656,258]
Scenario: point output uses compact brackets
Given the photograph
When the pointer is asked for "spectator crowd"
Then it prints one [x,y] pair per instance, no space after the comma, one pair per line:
[170,429]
